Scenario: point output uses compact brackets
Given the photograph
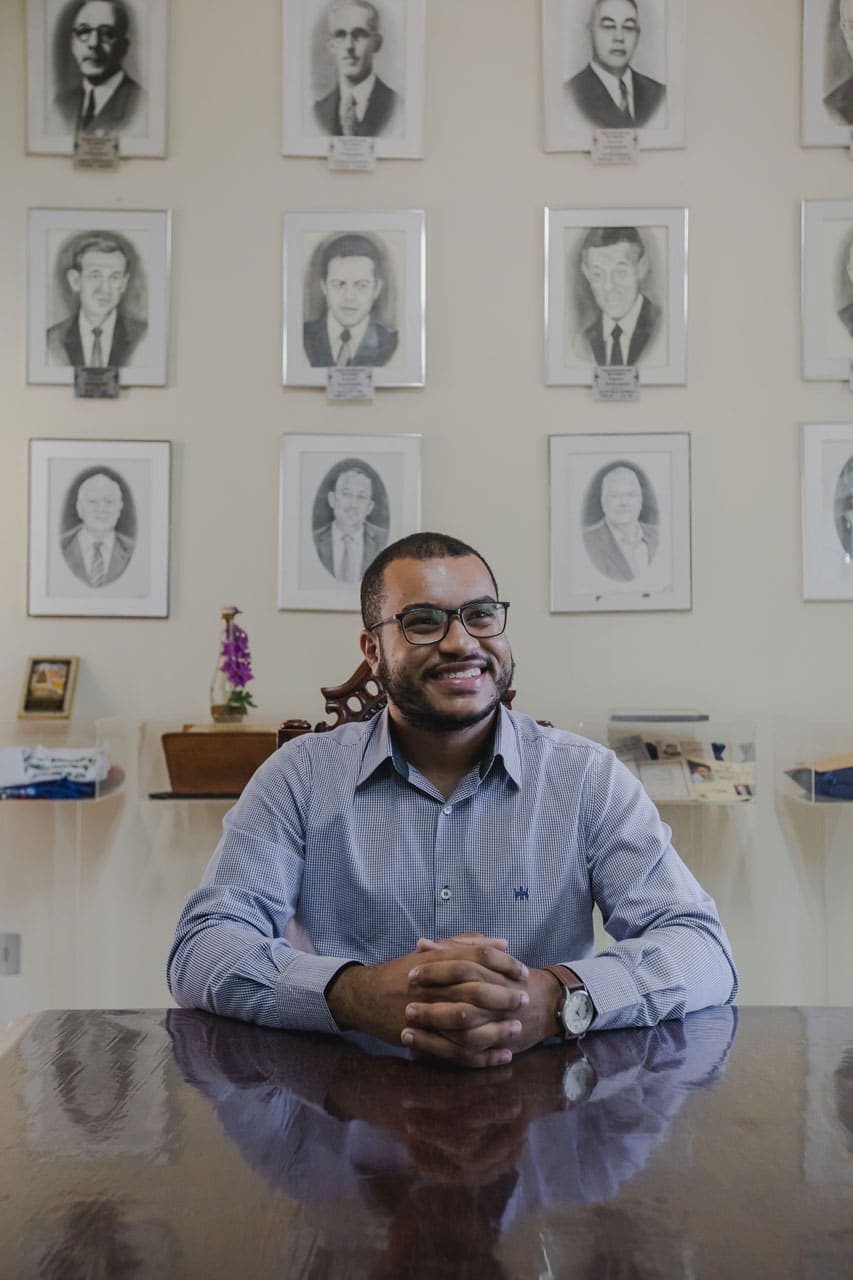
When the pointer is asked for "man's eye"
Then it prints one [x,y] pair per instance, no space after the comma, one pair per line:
[427,620]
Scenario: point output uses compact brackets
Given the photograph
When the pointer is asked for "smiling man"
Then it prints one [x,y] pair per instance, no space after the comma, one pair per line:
[106,99]
[351,279]
[429,876]
[360,105]
[99,333]
[609,93]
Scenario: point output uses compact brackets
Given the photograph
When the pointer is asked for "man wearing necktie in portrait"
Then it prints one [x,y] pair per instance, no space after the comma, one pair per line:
[94,550]
[608,92]
[351,280]
[361,105]
[614,264]
[106,99]
[99,333]
[350,543]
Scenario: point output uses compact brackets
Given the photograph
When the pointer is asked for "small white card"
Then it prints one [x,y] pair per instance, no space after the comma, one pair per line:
[615,146]
[616,382]
[352,382]
[96,384]
[96,152]
[349,154]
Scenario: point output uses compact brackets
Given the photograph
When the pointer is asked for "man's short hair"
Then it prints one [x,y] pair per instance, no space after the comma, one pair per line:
[596,4]
[416,546]
[99,244]
[351,246]
[357,469]
[359,4]
[600,237]
[122,18]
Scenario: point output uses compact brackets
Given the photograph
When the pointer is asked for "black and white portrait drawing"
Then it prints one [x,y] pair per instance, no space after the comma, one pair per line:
[827,72]
[352,271]
[827,289]
[99,527]
[828,511]
[342,500]
[620,522]
[353,68]
[98,294]
[616,293]
[350,519]
[97,68]
[354,296]
[613,64]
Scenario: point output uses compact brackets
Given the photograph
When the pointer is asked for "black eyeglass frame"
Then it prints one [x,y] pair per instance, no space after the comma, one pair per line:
[105,34]
[448,615]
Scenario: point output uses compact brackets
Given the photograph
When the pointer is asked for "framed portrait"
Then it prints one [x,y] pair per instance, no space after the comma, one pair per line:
[98,294]
[48,691]
[620,522]
[827,289]
[615,293]
[97,69]
[613,64]
[827,73]
[99,528]
[353,70]
[827,510]
[354,295]
[342,500]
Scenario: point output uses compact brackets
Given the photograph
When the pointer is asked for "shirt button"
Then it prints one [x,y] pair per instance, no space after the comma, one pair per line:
[448,809]
[445,894]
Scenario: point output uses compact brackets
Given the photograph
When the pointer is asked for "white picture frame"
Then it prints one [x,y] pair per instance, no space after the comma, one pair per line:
[135,110]
[827,98]
[576,100]
[827,454]
[590,571]
[56,336]
[395,334]
[393,113]
[655,242]
[377,481]
[827,290]
[124,510]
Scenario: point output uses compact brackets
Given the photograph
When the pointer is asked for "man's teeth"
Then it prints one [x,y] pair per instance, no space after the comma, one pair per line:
[462,675]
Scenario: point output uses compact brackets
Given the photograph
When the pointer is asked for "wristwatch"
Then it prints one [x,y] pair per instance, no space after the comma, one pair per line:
[576,1010]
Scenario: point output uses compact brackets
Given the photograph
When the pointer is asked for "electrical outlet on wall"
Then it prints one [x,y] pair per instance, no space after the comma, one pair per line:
[10,953]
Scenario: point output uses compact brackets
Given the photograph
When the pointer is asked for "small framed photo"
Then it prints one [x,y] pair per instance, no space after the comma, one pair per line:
[342,499]
[353,70]
[827,289]
[827,73]
[611,64]
[98,294]
[99,528]
[615,293]
[97,69]
[827,510]
[620,522]
[354,295]
[48,691]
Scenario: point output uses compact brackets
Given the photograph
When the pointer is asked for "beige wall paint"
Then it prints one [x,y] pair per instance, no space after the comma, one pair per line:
[750,647]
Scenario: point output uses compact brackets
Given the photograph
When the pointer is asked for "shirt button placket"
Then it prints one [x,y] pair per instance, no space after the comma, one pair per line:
[444,861]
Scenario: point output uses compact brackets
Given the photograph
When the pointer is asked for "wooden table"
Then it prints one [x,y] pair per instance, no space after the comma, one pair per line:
[176,1144]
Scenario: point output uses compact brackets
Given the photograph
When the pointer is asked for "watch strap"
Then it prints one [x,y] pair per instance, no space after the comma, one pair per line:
[565,977]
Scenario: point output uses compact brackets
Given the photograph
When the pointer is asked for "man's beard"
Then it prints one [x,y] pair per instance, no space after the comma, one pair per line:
[409,696]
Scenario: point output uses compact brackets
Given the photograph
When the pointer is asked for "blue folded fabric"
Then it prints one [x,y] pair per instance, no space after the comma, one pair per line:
[57,789]
[831,784]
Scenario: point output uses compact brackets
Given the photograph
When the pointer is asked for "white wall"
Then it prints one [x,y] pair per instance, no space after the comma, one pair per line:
[749,648]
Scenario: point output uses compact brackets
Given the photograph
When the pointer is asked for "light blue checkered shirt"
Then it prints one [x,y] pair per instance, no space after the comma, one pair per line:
[355,855]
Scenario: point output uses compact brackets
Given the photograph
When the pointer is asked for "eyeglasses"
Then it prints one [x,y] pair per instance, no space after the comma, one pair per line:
[427,623]
[106,35]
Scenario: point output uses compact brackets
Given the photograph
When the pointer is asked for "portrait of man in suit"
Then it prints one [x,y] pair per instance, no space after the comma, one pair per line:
[622,544]
[843,508]
[98,333]
[615,264]
[361,104]
[352,275]
[349,542]
[105,99]
[839,101]
[609,93]
[94,549]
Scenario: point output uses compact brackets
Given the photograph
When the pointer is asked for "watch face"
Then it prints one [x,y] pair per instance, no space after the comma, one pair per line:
[578,1012]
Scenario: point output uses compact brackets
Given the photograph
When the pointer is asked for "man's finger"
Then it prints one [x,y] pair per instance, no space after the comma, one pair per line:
[483,964]
[461,939]
[496,1000]
[438,1046]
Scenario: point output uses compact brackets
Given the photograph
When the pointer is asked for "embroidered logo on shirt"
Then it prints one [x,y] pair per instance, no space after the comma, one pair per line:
[521,892]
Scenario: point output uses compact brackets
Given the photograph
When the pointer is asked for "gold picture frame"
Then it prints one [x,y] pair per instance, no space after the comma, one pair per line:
[48,689]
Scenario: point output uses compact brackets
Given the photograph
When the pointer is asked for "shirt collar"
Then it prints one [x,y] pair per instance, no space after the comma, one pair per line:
[380,747]
[361,92]
[103,92]
[627,324]
[334,330]
[611,83]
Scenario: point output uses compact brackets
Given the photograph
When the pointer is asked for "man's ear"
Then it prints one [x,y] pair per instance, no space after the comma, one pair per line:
[72,275]
[369,642]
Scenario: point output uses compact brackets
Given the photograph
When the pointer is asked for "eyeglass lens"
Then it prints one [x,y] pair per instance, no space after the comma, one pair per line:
[425,626]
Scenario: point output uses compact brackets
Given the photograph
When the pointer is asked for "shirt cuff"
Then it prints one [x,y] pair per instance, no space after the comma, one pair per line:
[301,989]
[612,989]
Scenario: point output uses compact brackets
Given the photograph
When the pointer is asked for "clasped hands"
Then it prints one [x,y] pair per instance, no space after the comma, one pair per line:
[464,999]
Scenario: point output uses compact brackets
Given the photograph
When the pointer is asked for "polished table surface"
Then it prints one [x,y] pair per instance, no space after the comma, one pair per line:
[176,1144]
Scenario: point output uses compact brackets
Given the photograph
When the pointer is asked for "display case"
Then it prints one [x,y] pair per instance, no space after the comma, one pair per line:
[813,761]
